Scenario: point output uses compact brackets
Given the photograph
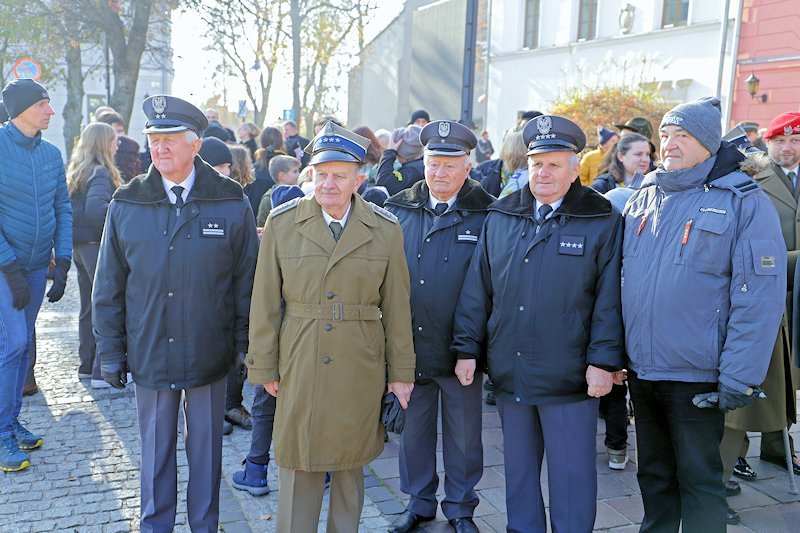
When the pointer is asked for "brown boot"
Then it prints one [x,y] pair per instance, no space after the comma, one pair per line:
[30,389]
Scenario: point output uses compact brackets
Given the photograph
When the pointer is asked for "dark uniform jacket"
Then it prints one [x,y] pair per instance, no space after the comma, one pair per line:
[438,253]
[397,180]
[172,293]
[546,305]
[491,176]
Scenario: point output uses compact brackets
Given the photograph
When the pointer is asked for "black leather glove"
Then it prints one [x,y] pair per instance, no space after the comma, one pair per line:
[115,374]
[240,367]
[59,279]
[730,399]
[20,292]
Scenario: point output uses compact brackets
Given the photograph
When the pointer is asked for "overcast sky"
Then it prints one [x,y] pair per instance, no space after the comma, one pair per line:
[194,66]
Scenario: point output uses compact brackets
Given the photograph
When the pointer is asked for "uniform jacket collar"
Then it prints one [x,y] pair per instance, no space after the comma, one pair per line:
[578,202]
[471,197]
[209,185]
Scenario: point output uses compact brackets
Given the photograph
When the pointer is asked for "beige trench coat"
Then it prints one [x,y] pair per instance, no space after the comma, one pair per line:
[347,326]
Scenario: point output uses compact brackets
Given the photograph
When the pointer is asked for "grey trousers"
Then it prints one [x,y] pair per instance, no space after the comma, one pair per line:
[85,257]
[462,449]
[300,500]
[203,410]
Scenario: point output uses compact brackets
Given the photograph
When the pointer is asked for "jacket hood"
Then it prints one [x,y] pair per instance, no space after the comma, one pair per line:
[209,185]
[578,202]
[471,197]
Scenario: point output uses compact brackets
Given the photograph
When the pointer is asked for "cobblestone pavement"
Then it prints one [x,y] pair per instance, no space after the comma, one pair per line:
[85,478]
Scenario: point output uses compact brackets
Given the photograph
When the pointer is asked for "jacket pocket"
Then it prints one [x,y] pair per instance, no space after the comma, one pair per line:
[703,243]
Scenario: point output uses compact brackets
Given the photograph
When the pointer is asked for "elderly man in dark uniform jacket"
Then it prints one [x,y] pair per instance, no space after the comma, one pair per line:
[171,304]
[441,218]
[542,297]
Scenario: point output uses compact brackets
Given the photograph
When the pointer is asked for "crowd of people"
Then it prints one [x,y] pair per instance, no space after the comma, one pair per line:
[368,281]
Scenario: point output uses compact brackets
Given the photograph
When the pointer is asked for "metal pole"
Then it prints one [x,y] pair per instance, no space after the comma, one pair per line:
[789,463]
[734,61]
[468,85]
[723,41]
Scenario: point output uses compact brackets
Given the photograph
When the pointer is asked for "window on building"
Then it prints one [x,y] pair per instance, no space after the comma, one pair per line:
[676,13]
[531,39]
[587,20]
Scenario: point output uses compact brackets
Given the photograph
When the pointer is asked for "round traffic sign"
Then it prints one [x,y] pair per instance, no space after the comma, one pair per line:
[27,68]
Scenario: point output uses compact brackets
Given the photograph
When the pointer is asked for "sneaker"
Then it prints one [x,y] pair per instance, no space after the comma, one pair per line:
[12,459]
[100,384]
[25,439]
[82,375]
[227,427]
[239,416]
[617,459]
[732,488]
[253,478]
[744,470]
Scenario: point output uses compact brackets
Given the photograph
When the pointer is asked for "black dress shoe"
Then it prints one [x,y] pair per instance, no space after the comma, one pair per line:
[732,488]
[490,399]
[464,525]
[781,462]
[732,517]
[408,521]
[743,470]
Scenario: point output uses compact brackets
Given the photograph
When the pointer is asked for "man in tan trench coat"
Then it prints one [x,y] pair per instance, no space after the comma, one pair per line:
[330,319]
[777,411]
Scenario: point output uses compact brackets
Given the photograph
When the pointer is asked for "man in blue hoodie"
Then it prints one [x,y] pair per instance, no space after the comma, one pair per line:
[35,218]
[704,275]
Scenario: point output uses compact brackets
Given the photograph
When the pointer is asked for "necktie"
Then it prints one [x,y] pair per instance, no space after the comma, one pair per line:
[791,175]
[544,210]
[440,208]
[336,229]
[178,191]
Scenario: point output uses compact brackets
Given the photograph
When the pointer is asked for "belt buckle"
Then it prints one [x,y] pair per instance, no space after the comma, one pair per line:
[337,311]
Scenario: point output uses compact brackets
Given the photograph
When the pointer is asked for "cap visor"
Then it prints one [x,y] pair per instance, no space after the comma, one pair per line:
[549,148]
[164,129]
[446,153]
[333,155]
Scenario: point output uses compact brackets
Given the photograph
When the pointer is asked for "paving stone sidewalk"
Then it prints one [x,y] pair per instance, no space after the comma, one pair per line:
[85,478]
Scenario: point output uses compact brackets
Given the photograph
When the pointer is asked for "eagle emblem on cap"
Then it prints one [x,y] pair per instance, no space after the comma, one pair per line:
[329,129]
[787,130]
[159,104]
[444,129]
[544,124]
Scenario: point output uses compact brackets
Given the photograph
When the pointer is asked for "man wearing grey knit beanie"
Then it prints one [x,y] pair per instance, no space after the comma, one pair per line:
[704,290]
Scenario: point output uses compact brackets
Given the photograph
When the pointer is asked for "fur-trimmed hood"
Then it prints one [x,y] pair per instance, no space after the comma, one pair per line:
[732,159]
[578,202]
[471,197]
[209,185]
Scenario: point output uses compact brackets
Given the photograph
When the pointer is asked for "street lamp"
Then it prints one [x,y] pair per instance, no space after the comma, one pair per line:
[752,88]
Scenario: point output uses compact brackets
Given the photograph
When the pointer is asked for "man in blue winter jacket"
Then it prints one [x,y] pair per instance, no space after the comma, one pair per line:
[704,278]
[35,218]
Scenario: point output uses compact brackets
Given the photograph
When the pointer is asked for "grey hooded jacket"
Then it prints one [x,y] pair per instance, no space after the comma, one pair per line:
[704,275]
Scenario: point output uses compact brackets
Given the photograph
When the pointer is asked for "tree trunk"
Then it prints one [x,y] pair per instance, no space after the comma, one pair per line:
[73,109]
[297,21]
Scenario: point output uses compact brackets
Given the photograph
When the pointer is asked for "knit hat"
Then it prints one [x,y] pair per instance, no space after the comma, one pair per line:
[783,124]
[216,131]
[418,114]
[3,113]
[283,193]
[215,152]
[701,119]
[411,148]
[604,134]
[20,94]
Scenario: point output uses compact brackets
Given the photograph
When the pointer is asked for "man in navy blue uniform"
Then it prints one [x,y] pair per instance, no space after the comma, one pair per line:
[542,298]
[441,218]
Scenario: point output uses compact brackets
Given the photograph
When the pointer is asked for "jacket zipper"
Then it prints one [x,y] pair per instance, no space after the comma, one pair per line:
[36,208]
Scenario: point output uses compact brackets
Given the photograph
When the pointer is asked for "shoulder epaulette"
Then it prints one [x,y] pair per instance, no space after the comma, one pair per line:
[381,212]
[288,206]
[739,184]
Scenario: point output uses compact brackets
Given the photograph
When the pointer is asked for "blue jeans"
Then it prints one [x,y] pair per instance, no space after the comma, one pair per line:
[16,331]
[263,417]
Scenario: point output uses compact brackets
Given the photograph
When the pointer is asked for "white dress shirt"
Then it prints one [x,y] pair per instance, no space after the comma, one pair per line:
[433,201]
[795,170]
[555,205]
[187,185]
[342,221]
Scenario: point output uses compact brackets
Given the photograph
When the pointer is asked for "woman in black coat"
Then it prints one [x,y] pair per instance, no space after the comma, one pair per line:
[631,155]
[271,145]
[92,179]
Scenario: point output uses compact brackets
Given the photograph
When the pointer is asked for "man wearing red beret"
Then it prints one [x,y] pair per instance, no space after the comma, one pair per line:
[778,411]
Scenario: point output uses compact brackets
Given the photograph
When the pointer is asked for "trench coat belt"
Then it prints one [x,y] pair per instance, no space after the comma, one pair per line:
[335,311]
